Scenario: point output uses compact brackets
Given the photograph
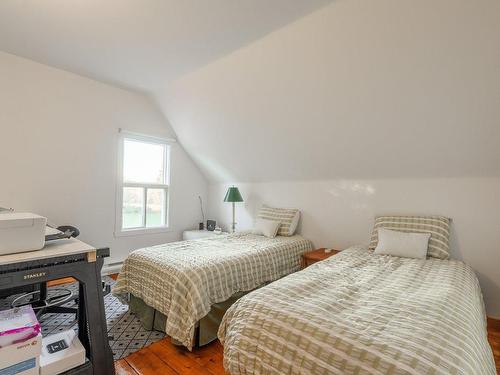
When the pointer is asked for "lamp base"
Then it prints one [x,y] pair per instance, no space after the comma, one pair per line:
[233,226]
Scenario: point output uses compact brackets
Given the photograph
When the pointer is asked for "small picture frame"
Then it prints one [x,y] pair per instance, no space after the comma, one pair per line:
[211,224]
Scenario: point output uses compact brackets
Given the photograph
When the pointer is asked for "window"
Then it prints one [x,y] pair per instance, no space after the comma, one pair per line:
[143,185]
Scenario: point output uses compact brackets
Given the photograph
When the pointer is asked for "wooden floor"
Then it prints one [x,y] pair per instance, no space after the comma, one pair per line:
[57,282]
[68,280]
[494,339]
[164,358]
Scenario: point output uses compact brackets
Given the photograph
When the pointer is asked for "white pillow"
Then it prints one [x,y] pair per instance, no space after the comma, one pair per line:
[401,244]
[264,227]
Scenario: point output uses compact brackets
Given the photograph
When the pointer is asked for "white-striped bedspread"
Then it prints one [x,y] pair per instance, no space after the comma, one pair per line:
[360,313]
[183,279]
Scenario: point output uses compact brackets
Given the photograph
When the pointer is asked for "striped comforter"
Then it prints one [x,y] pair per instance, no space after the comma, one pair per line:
[183,279]
[360,313]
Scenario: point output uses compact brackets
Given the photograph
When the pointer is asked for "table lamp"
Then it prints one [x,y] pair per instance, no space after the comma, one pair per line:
[233,195]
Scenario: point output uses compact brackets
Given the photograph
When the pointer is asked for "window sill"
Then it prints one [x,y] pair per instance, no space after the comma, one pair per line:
[142,231]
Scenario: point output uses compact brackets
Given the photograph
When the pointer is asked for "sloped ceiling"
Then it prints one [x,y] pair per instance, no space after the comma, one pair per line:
[358,89]
[138,44]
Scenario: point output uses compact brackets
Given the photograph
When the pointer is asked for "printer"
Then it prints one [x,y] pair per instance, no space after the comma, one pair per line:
[21,231]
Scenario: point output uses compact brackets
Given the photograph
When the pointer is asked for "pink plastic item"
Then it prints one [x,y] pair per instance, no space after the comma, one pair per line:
[18,325]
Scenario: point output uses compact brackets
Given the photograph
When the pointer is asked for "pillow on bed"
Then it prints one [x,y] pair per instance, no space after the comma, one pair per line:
[268,228]
[288,218]
[437,226]
[401,244]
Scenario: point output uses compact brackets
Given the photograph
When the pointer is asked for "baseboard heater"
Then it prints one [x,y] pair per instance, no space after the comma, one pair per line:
[111,268]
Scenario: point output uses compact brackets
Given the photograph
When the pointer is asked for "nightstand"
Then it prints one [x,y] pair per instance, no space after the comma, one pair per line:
[316,255]
[196,234]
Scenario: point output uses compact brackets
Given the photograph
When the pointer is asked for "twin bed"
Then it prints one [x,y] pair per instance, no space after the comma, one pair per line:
[361,313]
[355,313]
[180,283]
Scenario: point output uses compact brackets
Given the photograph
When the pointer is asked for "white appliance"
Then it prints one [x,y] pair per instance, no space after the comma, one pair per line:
[61,352]
[21,231]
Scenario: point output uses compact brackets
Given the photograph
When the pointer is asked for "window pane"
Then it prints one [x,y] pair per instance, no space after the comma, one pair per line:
[133,207]
[143,162]
[155,210]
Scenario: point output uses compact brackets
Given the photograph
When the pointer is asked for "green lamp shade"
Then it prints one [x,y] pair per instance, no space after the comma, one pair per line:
[233,195]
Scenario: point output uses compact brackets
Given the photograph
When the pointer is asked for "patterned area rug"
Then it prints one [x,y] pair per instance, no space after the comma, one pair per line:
[125,332]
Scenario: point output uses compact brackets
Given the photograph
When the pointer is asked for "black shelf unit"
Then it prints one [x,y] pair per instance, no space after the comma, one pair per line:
[86,269]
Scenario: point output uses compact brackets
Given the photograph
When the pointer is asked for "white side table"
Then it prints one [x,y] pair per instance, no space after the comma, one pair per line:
[196,234]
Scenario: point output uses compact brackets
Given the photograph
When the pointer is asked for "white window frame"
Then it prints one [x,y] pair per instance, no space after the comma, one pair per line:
[121,184]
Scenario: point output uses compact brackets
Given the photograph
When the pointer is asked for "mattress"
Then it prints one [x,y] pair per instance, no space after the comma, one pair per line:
[182,280]
[361,313]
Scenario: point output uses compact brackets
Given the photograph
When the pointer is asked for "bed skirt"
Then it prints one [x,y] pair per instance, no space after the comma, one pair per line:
[206,329]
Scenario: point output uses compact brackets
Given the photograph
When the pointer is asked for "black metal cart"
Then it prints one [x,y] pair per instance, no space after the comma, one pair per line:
[69,258]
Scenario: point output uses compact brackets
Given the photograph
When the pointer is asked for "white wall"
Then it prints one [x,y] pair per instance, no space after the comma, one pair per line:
[58,135]
[339,213]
